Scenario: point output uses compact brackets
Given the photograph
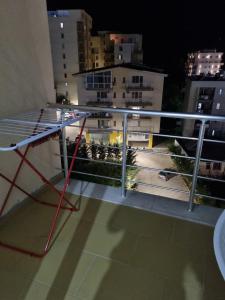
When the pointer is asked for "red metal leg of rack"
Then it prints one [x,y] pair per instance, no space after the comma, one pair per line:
[31,196]
[42,177]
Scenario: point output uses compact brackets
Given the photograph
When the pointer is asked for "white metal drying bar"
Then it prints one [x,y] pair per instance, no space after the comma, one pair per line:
[26,128]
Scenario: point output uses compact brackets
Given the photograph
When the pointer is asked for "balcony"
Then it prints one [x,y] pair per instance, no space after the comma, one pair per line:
[145,252]
[137,102]
[141,245]
[100,103]
[100,115]
[138,87]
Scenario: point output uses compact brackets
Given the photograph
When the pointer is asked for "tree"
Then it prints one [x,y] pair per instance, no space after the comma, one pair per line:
[94,149]
[83,151]
[109,152]
[131,156]
[101,151]
[117,151]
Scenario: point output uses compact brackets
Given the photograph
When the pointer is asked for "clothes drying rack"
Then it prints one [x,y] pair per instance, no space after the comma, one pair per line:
[28,130]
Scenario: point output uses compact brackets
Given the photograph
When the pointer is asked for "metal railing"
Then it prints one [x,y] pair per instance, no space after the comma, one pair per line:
[195,176]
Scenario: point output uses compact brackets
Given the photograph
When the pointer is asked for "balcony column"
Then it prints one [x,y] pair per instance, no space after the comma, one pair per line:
[196,166]
[124,157]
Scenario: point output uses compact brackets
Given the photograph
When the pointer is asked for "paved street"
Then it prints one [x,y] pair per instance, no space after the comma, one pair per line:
[148,159]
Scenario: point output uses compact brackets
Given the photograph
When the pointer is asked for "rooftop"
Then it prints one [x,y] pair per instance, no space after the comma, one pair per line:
[109,251]
[139,67]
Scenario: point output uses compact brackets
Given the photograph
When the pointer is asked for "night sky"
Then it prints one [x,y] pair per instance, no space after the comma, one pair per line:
[170,28]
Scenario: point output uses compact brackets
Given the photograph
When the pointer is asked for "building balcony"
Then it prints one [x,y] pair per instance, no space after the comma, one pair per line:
[98,87]
[100,103]
[140,240]
[138,87]
[137,102]
[100,115]
[148,243]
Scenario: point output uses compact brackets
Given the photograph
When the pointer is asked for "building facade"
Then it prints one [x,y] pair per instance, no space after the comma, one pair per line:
[113,48]
[125,85]
[26,85]
[206,97]
[70,34]
[204,62]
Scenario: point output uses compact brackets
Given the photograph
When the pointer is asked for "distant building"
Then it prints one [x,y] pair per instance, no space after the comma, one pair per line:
[204,62]
[125,85]
[71,52]
[113,48]
[205,96]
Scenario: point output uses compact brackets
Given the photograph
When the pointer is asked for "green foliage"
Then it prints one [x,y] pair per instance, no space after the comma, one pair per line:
[109,152]
[94,150]
[117,151]
[101,151]
[131,156]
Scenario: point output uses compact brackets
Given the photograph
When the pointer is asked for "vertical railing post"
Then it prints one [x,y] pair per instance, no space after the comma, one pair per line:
[196,166]
[124,157]
[65,158]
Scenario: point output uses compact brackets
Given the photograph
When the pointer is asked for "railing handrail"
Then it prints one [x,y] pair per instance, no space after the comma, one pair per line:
[153,113]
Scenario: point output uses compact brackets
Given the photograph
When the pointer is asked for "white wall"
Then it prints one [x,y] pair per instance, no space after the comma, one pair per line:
[26,83]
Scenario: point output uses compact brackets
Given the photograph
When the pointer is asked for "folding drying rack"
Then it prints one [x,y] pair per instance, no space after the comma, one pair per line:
[32,129]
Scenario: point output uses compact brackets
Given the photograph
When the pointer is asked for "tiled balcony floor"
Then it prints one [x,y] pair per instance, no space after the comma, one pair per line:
[108,252]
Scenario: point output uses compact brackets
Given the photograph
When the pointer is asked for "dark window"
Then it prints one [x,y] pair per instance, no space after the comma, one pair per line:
[114,81]
[93,65]
[207,165]
[64,66]
[67,94]
[216,166]
[96,57]
[124,95]
[64,55]
[65,75]
[63,46]
[96,65]
[140,95]
[114,123]
[137,79]
[62,35]
[114,95]
[121,48]
[124,79]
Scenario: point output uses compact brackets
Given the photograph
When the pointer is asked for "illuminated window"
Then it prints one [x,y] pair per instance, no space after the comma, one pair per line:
[199,56]
[61,25]
[66,83]
[208,56]
[219,55]
[120,56]
[220,91]
[217,105]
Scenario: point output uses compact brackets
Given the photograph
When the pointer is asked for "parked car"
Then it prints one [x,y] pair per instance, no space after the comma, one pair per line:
[165,175]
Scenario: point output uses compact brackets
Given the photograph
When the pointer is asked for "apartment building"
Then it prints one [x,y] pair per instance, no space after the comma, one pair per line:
[125,85]
[206,96]
[116,48]
[207,62]
[70,34]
